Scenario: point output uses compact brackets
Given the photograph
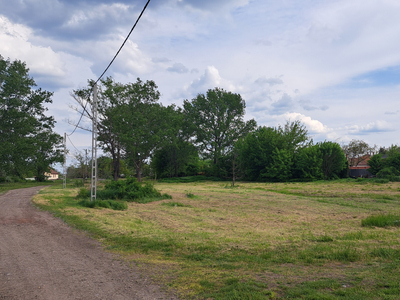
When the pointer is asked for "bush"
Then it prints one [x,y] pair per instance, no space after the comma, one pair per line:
[83,194]
[130,190]
[381,221]
[387,172]
[78,183]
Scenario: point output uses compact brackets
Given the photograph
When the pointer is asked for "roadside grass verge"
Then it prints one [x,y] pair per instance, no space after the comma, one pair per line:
[5,187]
[252,242]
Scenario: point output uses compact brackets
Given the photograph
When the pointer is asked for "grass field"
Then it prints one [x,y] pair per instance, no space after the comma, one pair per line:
[5,187]
[254,241]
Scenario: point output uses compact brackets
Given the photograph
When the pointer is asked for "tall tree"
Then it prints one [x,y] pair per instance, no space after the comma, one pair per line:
[334,161]
[26,133]
[109,97]
[217,121]
[141,122]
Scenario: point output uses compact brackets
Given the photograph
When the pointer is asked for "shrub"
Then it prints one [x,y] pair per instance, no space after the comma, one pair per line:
[130,190]
[83,194]
[387,172]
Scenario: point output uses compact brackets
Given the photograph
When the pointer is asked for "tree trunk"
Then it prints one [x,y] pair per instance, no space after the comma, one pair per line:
[175,162]
[138,172]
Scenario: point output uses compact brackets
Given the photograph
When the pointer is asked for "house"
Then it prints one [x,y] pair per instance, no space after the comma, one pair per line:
[358,166]
[53,175]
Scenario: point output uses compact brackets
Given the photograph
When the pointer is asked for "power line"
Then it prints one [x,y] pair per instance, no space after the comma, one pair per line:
[109,65]
[123,44]
[83,111]
[74,145]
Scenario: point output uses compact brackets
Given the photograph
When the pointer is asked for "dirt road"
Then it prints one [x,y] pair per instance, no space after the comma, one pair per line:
[42,258]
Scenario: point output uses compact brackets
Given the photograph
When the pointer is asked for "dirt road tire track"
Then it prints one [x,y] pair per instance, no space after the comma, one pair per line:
[42,258]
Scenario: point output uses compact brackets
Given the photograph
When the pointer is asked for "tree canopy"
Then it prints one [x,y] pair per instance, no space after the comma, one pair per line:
[28,143]
[216,121]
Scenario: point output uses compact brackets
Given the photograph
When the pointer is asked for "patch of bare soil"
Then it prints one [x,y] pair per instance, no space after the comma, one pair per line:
[43,258]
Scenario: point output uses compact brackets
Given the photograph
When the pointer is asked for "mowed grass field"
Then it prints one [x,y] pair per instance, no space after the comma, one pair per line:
[254,241]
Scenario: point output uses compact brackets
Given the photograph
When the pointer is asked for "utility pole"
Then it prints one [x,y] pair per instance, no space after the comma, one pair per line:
[65,161]
[93,188]
[86,166]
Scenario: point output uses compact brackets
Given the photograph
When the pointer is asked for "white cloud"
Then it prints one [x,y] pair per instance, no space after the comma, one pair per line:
[15,45]
[372,127]
[313,126]
[209,80]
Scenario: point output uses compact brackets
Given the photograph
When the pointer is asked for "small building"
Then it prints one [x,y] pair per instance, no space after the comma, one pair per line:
[359,166]
[53,175]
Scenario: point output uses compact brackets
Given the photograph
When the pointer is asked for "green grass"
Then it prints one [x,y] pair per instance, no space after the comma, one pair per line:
[5,187]
[111,204]
[254,242]
[382,221]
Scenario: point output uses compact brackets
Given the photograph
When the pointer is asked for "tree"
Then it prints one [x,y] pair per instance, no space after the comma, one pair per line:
[269,153]
[27,140]
[356,150]
[109,97]
[141,122]
[216,121]
[375,163]
[308,163]
[333,159]
[173,160]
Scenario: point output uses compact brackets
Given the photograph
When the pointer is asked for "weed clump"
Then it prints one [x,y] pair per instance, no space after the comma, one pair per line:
[381,221]
[127,190]
[130,190]
[110,204]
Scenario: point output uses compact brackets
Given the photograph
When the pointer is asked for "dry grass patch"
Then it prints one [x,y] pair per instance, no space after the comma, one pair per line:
[284,236]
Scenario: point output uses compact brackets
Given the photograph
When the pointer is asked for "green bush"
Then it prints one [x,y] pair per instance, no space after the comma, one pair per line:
[387,172]
[83,194]
[129,190]
[381,221]
[381,180]
[78,183]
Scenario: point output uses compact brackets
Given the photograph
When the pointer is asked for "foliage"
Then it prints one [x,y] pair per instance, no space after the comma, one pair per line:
[356,151]
[129,190]
[333,159]
[141,122]
[173,160]
[308,163]
[375,164]
[28,143]
[277,154]
[216,121]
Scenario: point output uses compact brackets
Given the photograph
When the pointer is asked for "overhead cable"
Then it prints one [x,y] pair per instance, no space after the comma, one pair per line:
[123,44]
[109,65]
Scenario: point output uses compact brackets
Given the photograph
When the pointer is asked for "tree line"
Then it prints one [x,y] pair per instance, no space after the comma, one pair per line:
[207,135]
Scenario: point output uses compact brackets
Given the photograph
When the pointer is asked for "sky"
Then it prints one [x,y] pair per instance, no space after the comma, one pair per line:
[333,65]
